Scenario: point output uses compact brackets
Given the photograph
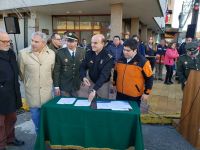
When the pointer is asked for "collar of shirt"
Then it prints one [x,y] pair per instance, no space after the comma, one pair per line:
[128,60]
[71,52]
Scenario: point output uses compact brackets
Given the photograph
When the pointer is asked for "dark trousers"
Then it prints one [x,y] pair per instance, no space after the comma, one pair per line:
[7,128]
[121,96]
[169,73]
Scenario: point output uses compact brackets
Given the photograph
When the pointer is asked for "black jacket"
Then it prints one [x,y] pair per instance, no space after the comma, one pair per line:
[99,67]
[10,97]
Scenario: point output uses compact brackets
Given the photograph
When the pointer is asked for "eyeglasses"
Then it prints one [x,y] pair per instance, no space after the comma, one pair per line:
[5,42]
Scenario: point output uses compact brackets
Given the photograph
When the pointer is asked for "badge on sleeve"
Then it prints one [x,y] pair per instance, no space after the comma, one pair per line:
[101,62]
[66,60]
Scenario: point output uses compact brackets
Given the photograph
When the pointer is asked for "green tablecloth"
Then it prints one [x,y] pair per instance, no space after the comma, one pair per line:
[68,126]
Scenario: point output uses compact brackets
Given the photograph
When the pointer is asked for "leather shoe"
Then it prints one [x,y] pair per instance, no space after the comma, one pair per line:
[16,142]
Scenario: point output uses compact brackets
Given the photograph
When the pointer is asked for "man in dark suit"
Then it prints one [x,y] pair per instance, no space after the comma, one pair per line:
[10,99]
[66,70]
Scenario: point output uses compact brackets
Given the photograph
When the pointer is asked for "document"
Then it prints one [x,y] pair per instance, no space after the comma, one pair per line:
[120,105]
[82,102]
[114,105]
[66,101]
[103,105]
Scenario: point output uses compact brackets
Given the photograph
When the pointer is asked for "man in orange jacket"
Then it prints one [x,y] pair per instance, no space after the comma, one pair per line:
[133,74]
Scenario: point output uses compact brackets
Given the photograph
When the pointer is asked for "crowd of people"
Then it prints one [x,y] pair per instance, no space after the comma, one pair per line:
[63,65]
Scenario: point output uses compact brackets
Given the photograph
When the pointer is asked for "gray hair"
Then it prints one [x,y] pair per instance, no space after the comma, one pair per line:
[42,35]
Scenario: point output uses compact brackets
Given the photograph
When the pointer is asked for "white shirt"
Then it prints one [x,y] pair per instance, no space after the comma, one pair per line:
[71,51]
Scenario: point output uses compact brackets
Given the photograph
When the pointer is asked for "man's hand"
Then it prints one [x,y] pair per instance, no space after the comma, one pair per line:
[57,91]
[144,97]
[91,95]
[86,81]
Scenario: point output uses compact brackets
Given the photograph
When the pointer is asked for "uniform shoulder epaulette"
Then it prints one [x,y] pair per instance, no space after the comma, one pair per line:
[110,56]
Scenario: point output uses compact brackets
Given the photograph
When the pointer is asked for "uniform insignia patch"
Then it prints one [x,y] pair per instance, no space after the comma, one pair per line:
[101,62]
[135,63]
[66,60]
[91,62]
[110,55]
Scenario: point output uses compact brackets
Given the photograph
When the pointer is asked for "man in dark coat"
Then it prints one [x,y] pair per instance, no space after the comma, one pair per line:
[98,63]
[10,99]
[55,42]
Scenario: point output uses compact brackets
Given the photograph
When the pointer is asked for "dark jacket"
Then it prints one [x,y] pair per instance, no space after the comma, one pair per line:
[161,50]
[10,99]
[116,51]
[141,48]
[181,49]
[99,67]
[66,70]
[185,64]
[52,47]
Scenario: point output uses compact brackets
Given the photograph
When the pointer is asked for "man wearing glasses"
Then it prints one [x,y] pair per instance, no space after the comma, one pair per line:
[55,42]
[10,99]
[133,74]
[66,72]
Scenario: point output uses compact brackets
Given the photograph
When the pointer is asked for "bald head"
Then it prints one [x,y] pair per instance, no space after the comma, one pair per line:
[97,42]
[4,41]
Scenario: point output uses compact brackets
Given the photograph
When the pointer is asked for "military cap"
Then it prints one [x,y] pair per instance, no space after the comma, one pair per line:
[191,46]
[72,36]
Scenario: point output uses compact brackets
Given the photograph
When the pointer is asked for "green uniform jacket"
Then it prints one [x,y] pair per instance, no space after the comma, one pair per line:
[185,64]
[66,71]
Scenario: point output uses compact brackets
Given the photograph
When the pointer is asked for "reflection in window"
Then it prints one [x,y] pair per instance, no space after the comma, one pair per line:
[70,25]
[59,23]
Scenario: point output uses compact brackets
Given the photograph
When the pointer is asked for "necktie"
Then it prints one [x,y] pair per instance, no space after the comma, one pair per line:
[73,54]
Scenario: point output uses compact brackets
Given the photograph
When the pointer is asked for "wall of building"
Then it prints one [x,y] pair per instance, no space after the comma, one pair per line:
[19,37]
[4,5]
[45,22]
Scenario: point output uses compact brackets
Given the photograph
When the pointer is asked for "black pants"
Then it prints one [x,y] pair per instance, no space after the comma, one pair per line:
[168,77]
[121,96]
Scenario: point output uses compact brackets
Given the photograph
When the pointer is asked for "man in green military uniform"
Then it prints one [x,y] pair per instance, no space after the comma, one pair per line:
[188,61]
[66,70]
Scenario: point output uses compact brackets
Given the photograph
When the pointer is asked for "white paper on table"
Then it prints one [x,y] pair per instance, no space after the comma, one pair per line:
[120,105]
[82,102]
[66,101]
[103,105]
[121,109]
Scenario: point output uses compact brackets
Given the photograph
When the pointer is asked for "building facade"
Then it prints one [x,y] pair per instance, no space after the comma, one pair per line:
[86,17]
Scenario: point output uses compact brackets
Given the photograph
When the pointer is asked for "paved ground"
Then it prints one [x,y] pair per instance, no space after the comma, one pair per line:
[156,137]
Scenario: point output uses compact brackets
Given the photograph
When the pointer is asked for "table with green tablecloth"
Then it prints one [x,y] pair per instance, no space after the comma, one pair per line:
[73,127]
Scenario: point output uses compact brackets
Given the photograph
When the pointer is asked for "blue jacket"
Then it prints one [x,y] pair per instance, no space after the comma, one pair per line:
[116,51]
[141,49]
[161,50]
